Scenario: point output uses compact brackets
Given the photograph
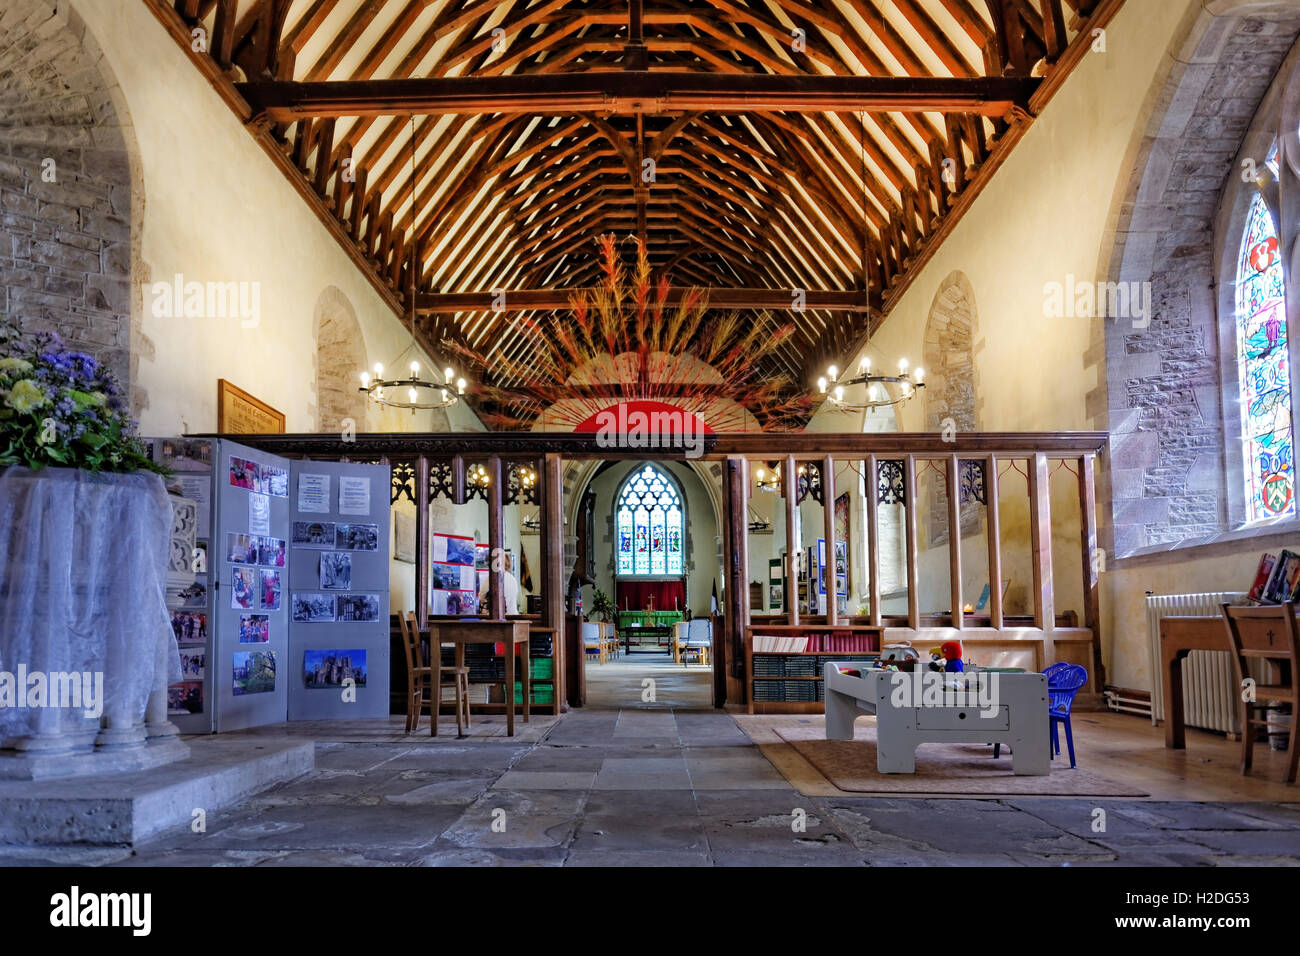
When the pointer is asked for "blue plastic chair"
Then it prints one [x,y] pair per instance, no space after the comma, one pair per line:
[1063,682]
[1051,670]
[1061,688]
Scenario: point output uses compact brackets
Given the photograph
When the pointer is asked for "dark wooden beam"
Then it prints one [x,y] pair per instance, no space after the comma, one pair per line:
[637,92]
[521,300]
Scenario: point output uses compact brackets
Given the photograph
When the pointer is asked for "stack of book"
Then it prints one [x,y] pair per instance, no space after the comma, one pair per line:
[770,644]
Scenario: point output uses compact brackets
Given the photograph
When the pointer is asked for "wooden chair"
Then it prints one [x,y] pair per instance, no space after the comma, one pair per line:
[424,682]
[1267,634]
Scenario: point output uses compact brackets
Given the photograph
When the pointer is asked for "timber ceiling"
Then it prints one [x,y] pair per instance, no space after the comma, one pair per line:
[757,146]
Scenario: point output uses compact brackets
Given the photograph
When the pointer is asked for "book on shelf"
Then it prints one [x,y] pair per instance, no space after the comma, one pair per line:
[1262,575]
[772,644]
[1284,581]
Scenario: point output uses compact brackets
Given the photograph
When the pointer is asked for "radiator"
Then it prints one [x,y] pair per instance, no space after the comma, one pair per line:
[1209,688]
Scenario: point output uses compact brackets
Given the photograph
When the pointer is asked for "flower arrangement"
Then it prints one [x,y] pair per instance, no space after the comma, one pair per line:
[61,407]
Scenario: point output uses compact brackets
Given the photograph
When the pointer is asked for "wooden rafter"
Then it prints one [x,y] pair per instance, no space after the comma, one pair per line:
[835,166]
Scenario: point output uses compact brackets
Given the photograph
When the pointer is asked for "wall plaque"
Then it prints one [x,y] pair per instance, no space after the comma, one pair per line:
[239,413]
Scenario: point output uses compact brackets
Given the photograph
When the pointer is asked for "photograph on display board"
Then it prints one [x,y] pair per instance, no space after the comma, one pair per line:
[196,594]
[455,603]
[254,672]
[273,481]
[313,534]
[192,664]
[244,473]
[313,608]
[335,570]
[270,590]
[774,596]
[241,548]
[200,563]
[190,627]
[356,537]
[330,668]
[187,454]
[270,552]
[460,551]
[454,577]
[357,607]
[185,698]
[243,589]
[481,556]
[254,628]
[451,549]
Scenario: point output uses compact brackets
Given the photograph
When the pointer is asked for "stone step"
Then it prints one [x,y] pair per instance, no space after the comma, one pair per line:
[124,809]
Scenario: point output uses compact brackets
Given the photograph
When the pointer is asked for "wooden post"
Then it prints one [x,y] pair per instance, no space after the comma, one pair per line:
[422,542]
[1040,538]
[995,540]
[458,480]
[873,539]
[828,516]
[1091,564]
[909,518]
[496,541]
[954,539]
[736,552]
[552,554]
[790,488]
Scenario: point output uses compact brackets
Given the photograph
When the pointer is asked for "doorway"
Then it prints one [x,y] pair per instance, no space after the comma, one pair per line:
[652,557]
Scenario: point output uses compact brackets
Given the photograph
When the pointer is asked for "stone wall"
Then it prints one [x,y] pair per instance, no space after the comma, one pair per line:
[65,186]
[1168,480]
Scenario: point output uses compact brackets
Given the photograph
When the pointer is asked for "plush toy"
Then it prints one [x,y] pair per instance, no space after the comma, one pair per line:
[951,652]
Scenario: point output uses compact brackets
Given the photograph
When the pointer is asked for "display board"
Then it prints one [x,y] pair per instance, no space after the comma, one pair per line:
[453,577]
[337,593]
[189,702]
[249,565]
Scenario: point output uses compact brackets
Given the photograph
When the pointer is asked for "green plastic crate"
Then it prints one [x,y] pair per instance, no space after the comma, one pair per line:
[542,693]
[543,668]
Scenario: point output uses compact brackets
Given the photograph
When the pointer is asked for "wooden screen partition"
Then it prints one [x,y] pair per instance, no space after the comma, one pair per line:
[435,465]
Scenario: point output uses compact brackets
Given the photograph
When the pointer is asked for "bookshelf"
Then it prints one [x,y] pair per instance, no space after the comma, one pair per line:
[784,671]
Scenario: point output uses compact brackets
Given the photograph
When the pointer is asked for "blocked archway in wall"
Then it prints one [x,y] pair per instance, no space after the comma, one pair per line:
[72,190]
[340,359]
[951,396]
[1160,378]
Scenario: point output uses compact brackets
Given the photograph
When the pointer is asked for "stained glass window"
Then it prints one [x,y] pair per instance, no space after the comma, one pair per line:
[1263,371]
[649,523]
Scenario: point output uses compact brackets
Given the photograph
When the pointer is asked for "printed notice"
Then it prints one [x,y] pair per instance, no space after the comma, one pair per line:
[259,514]
[314,494]
[354,495]
[198,488]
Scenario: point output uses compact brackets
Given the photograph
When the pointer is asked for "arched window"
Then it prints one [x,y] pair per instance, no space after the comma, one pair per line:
[649,519]
[1263,371]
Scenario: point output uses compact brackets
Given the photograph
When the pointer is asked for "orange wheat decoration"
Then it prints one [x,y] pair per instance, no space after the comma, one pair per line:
[624,342]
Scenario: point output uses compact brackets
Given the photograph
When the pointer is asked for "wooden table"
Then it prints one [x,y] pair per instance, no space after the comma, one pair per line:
[1178,636]
[512,633]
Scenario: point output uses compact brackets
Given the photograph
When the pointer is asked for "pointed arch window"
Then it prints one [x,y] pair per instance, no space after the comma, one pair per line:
[1263,371]
[649,518]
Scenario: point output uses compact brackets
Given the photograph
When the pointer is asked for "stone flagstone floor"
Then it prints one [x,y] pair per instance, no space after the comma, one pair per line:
[658,786]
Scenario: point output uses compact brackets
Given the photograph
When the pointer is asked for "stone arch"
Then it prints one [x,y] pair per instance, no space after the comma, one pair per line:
[73,191]
[1159,387]
[951,396]
[340,359]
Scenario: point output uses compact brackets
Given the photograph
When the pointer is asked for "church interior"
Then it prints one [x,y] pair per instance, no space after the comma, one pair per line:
[649,433]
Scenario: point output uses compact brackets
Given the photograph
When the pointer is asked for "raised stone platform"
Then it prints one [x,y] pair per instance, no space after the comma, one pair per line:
[123,809]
